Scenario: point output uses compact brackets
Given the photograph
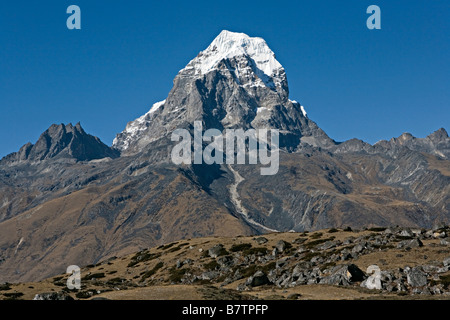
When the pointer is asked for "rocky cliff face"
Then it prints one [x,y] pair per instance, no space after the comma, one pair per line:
[70,199]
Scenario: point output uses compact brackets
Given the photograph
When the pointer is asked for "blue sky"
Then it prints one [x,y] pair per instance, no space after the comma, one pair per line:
[354,82]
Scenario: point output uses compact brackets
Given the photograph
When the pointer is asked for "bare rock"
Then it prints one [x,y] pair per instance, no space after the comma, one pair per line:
[416,277]
[215,251]
[52,296]
[413,243]
[258,279]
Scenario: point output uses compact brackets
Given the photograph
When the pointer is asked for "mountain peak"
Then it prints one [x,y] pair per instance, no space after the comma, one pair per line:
[236,82]
[438,135]
[67,141]
[228,45]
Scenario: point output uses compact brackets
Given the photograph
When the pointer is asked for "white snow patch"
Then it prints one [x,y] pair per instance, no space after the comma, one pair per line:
[156,106]
[303,110]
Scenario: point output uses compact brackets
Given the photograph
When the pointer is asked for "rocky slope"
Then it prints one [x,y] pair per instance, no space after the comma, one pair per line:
[327,264]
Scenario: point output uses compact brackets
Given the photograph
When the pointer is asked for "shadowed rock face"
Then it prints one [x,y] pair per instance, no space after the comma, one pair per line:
[70,199]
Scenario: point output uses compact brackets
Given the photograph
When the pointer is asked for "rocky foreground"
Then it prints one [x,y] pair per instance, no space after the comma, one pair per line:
[376,263]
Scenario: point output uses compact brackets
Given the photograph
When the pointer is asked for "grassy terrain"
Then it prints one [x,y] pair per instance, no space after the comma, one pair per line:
[157,273]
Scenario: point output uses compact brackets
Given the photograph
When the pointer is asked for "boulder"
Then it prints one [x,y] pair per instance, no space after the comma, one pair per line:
[282,280]
[443,269]
[299,240]
[429,233]
[334,279]
[439,234]
[281,245]
[344,275]
[215,251]
[287,281]
[446,262]
[275,252]
[406,233]
[334,258]
[429,268]
[416,277]
[261,240]
[317,260]
[329,245]
[237,275]
[422,291]
[298,270]
[293,296]
[225,261]
[348,240]
[258,279]
[313,281]
[413,243]
[299,275]
[345,255]
[250,259]
[358,248]
[302,249]
[209,275]
[282,262]
[242,287]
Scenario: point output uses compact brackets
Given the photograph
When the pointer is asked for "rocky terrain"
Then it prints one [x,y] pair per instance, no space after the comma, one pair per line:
[70,199]
[326,264]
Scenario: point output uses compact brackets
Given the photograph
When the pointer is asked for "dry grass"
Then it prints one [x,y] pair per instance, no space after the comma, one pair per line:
[148,273]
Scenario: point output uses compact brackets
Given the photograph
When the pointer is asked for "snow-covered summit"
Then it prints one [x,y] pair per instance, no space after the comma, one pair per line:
[228,45]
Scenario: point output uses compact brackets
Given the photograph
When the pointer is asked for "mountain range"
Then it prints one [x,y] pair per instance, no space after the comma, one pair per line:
[71,199]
